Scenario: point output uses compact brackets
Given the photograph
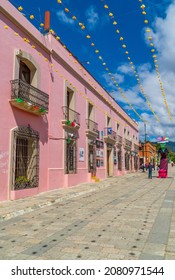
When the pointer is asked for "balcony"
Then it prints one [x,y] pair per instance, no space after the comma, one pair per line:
[92,129]
[128,144]
[71,119]
[119,140]
[29,98]
[136,148]
[110,136]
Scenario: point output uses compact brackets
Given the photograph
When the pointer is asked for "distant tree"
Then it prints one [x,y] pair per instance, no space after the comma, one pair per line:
[171,156]
[157,146]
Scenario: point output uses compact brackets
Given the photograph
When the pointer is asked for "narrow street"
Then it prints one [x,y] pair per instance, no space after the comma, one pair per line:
[129,217]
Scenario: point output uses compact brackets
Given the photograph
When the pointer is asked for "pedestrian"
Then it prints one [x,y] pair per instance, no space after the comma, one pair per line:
[146,166]
[154,166]
[143,167]
[150,170]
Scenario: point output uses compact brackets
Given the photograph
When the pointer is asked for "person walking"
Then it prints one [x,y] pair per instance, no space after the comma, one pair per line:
[143,167]
[146,166]
[150,170]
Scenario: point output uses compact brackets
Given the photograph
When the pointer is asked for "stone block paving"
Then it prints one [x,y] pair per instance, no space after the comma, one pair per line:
[128,217]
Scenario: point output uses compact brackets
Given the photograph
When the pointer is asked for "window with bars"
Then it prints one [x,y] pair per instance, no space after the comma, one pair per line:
[135,163]
[71,157]
[120,160]
[126,161]
[25,160]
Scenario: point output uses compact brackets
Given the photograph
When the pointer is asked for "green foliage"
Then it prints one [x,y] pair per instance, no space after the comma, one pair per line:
[22,179]
[157,146]
[171,156]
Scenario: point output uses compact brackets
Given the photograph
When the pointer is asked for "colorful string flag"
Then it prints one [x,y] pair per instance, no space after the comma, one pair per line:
[143,7]
[19,100]
[68,140]
[88,36]
[131,62]
[20,8]
[163,139]
[68,122]
[73,124]
[51,65]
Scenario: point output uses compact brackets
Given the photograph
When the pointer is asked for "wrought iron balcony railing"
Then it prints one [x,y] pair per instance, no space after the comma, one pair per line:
[108,132]
[71,115]
[136,148]
[23,92]
[128,143]
[119,139]
[91,125]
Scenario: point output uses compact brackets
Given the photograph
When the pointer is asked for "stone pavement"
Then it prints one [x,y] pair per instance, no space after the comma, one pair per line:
[128,217]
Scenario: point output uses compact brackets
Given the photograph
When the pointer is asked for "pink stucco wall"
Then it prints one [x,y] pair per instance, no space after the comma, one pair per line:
[53,74]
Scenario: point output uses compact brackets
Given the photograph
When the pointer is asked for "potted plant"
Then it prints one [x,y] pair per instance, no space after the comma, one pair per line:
[22,182]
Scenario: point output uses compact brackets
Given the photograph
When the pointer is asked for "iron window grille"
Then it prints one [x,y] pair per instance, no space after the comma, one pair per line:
[71,157]
[92,160]
[28,93]
[127,161]
[25,160]
[136,163]
[120,160]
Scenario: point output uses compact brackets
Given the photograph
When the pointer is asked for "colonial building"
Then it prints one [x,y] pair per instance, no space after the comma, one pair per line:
[58,126]
[147,153]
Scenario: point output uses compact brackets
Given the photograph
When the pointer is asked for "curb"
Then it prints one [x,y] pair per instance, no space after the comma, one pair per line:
[102,184]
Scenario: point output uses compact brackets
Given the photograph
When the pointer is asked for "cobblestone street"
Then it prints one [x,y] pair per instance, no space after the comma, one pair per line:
[129,217]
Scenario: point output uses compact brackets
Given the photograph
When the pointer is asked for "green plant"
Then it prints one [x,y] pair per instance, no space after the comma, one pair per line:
[22,179]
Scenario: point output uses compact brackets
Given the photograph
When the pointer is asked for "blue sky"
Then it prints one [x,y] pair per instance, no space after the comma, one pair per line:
[152,95]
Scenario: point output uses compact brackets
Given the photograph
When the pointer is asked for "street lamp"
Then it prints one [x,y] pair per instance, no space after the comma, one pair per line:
[145,144]
[145,131]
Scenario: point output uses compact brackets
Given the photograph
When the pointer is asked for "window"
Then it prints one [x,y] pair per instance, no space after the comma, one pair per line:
[69,108]
[135,163]
[90,112]
[25,160]
[119,160]
[71,157]
[108,122]
[26,68]
[24,72]
[69,99]
[126,161]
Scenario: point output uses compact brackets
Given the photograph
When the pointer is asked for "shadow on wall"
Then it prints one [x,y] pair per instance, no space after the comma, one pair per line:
[38,123]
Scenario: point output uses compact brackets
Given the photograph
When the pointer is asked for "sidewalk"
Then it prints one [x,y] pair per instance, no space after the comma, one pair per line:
[128,217]
[10,209]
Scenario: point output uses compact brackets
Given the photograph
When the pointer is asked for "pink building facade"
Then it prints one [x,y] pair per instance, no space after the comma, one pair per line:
[58,126]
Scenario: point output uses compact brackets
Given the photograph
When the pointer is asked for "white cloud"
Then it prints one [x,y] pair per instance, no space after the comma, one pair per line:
[164,41]
[125,69]
[92,17]
[64,18]
[108,78]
